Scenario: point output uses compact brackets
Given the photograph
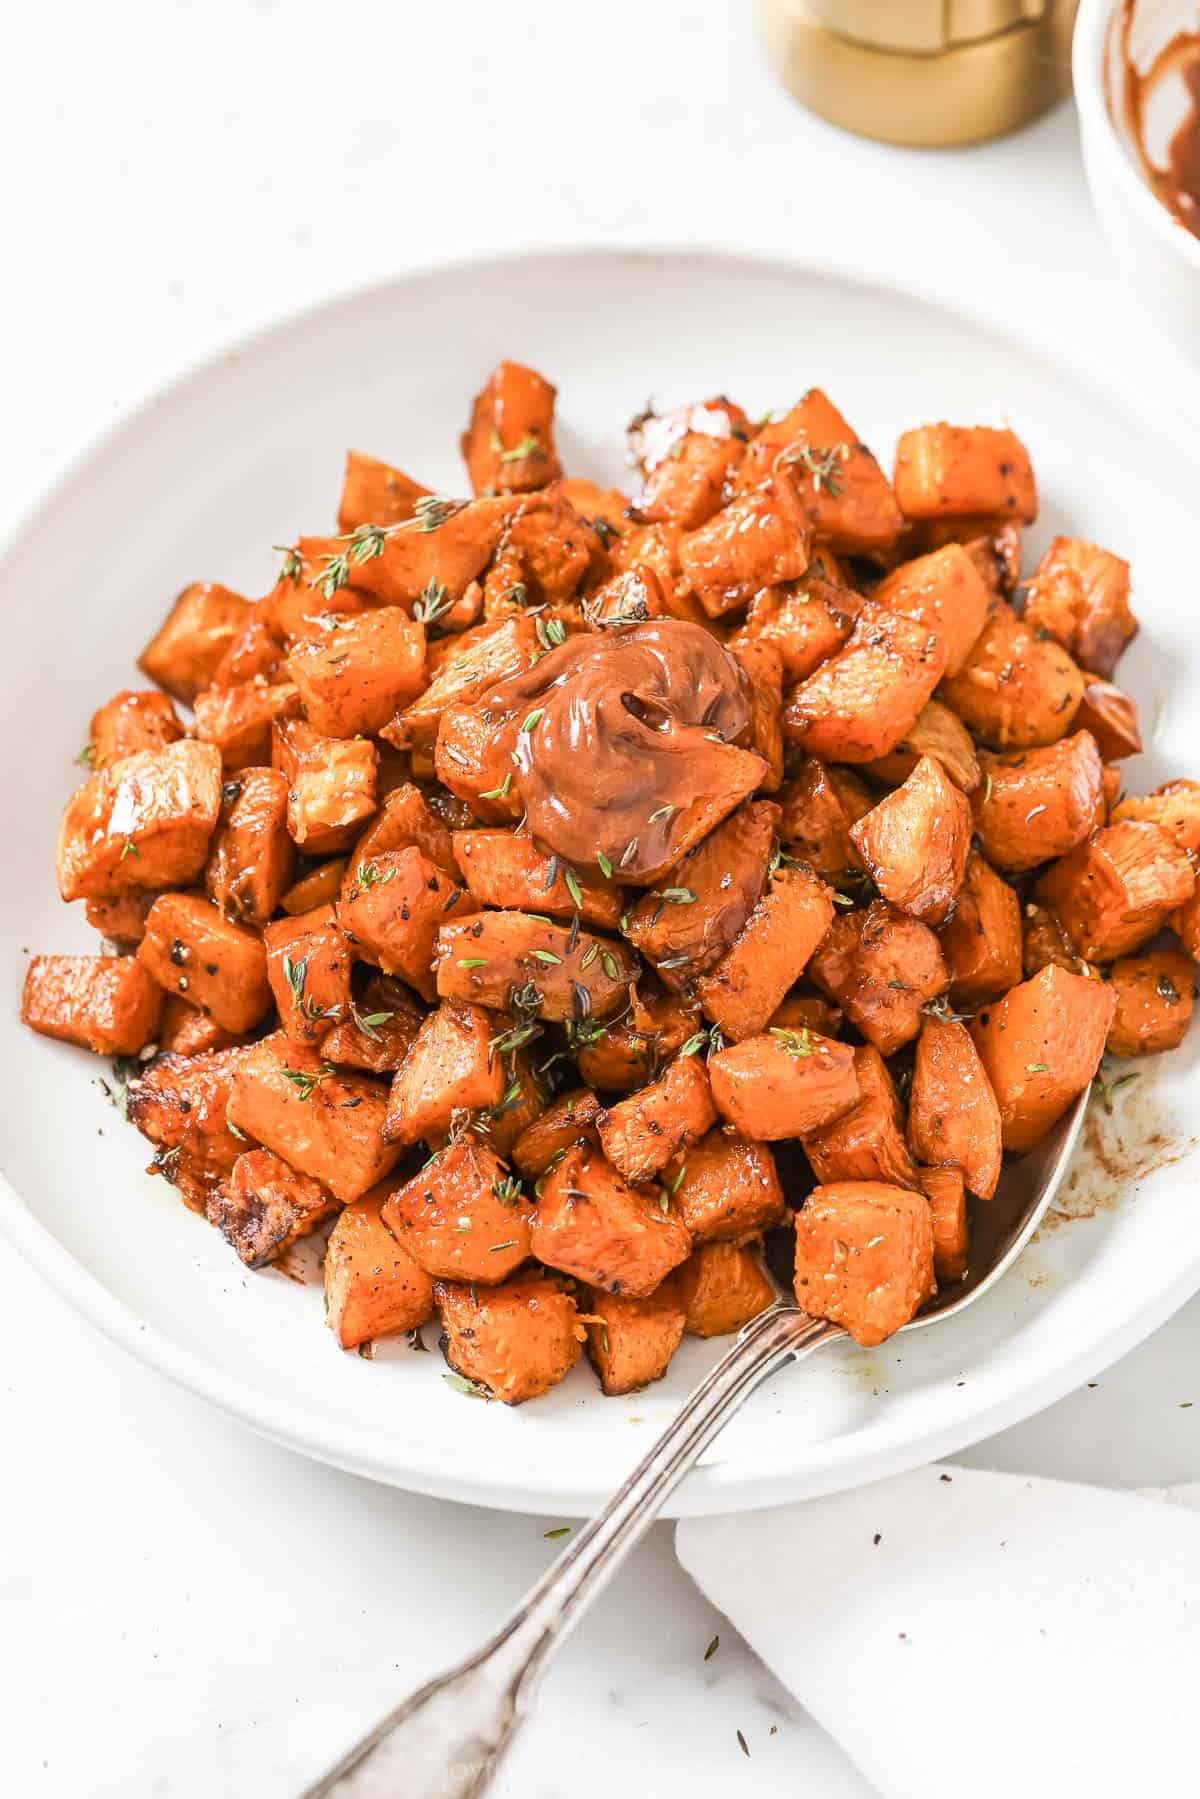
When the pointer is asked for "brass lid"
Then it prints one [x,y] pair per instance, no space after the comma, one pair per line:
[926,72]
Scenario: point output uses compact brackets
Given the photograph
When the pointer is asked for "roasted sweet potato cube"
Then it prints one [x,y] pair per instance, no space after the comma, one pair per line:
[867,1143]
[473,757]
[238,720]
[1112,719]
[1174,807]
[882,968]
[1039,803]
[448,544]
[1044,943]
[953,1116]
[689,484]
[506,869]
[522,1101]
[463,1217]
[108,1004]
[381,1027]
[215,965]
[915,843]
[943,591]
[1040,1047]
[324,1122]
[141,824]
[354,674]
[631,1341]
[688,923]
[1080,595]
[265,1206]
[864,1257]
[512,1342]
[762,665]
[484,959]
[183,654]
[131,722]
[406,817]
[179,1104]
[1112,893]
[722,1287]
[1015,690]
[783,1083]
[308,966]
[594,1225]
[629,1051]
[570,1119]
[817,808]
[641,1134]
[939,733]
[123,919]
[981,944]
[862,702]
[452,1067]
[509,445]
[375,493]
[373,1287]
[808,1011]
[805,620]
[769,953]
[632,597]
[481,659]
[1154,1002]
[321,886]
[546,549]
[759,539]
[251,858]
[332,792]
[182,1031]
[947,1196]
[847,498]
[256,653]
[946,471]
[392,911]
[1185,922]
[726,1189]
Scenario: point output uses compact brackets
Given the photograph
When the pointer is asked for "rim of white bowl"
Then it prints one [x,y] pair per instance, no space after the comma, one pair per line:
[1087,74]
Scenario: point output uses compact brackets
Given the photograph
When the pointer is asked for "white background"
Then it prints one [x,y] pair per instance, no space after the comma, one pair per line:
[188,1611]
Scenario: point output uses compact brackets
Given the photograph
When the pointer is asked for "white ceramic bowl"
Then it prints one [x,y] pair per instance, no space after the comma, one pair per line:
[1156,254]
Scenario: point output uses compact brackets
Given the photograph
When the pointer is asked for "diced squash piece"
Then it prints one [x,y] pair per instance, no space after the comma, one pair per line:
[131,722]
[353,675]
[953,1116]
[183,1031]
[571,1119]
[757,540]
[631,1341]
[762,665]
[866,698]
[1015,690]
[446,544]
[1154,1002]
[726,1189]
[867,1143]
[183,654]
[882,968]
[179,1104]
[1174,807]
[375,493]
[251,857]
[981,943]
[486,958]
[943,591]
[474,757]
[805,620]
[808,1011]
[480,661]
[123,919]
[817,808]
[915,843]
[948,471]
[142,824]
[864,1257]
[641,1134]
[769,953]
[215,965]
[1044,943]
[690,483]
[1040,1047]
[522,1101]
[940,733]
[631,597]
[512,1342]
[392,912]
[463,1217]
[1039,803]
[265,1206]
[323,1121]
[373,1287]
[256,653]
[506,869]
[847,498]
[381,1027]
[238,720]
[947,1196]
[722,1287]
[629,1051]
[108,1004]
[451,1068]
[783,1083]
[319,887]
[406,817]
[1115,890]
[546,550]
[1112,719]
[594,1225]
[509,445]
[688,923]
[331,793]
[308,967]
[1080,595]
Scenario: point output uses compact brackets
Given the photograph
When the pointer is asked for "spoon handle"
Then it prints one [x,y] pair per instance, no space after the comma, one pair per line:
[446,1740]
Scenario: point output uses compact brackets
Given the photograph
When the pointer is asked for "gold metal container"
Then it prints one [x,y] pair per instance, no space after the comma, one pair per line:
[926,72]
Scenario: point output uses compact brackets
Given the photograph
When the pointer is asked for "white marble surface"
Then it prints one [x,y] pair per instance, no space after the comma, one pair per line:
[190,1612]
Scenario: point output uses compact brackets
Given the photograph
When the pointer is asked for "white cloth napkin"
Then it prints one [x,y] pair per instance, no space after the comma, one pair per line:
[966,1633]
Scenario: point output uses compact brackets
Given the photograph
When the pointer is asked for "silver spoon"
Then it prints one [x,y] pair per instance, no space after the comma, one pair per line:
[447,1739]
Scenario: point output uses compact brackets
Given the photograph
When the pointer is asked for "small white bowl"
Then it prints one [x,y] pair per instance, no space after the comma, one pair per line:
[1160,257]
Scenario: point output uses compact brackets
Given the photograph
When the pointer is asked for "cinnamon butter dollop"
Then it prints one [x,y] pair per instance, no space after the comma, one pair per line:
[619,733]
